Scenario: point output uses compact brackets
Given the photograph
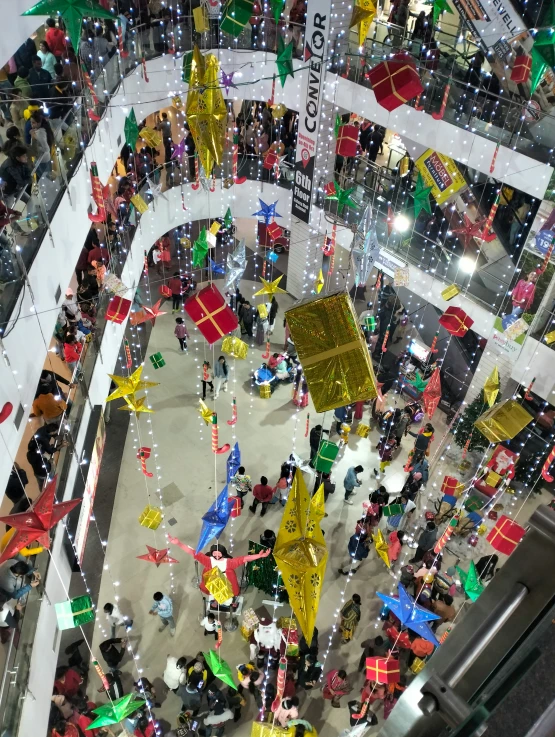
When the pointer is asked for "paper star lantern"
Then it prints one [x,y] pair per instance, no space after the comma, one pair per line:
[215,519]
[441,6]
[472,585]
[219,668]
[233,462]
[544,40]
[157,556]
[135,404]
[363,14]
[418,382]
[73,12]
[146,313]
[200,249]
[268,212]
[319,283]
[277,8]
[469,230]
[342,197]
[539,67]
[178,151]
[236,263]
[115,711]
[131,129]
[205,412]
[284,60]
[228,219]
[491,387]
[366,248]
[271,287]
[227,81]
[214,267]
[421,197]
[382,548]
[155,190]
[410,614]
[34,524]
[432,393]
[301,554]
[129,384]
[206,110]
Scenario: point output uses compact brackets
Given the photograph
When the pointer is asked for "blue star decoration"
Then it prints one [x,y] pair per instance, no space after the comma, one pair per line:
[410,614]
[215,520]
[267,211]
[227,81]
[216,268]
[233,462]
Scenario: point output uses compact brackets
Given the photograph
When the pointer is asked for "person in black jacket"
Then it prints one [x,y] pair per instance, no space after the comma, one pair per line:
[39,79]
[15,488]
[309,672]
[15,173]
[316,434]
[23,57]
[111,654]
[60,94]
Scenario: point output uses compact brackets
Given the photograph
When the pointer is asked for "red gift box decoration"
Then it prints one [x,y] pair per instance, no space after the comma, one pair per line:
[492,514]
[118,309]
[383,670]
[395,82]
[329,189]
[210,314]
[347,140]
[450,485]
[270,160]
[456,321]
[522,68]
[274,231]
[430,516]
[236,509]
[506,535]
[503,462]
[473,540]
[165,291]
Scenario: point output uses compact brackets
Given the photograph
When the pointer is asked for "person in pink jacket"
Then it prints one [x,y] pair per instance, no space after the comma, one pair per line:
[286,711]
[395,544]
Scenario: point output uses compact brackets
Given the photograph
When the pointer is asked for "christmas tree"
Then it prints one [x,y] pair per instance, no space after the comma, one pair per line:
[263,573]
[464,427]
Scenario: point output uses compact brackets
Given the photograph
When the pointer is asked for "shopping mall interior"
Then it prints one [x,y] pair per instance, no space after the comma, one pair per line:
[277,398]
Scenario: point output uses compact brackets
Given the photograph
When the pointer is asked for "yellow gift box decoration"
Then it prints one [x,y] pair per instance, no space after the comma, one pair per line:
[151,517]
[139,204]
[234,347]
[549,337]
[177,101]
[482,529]
[218,585]
[417,665]
[287,623]
[503,421]
[332,351]
[362,430]
[492,479]
[265,391]
[450,292]
[150,136]
[262,311]
[200,16]
[214,228]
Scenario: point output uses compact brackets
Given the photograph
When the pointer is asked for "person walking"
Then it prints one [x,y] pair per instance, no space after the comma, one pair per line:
[210,624]
[116,619]
[262,493]
[358,550]
[242,483]
[337,685]
[350,617]
[181,333]
[112,654]
[163,606]
[350,481]
[316,435]
[206,378]
[426,542]
[176,286]
[221,372]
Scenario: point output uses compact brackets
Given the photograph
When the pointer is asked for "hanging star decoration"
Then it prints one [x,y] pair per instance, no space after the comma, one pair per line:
[284,60]
[465,233]
[115,711]
[319,283]
[35,523]
[206,110]
[178,151]
[200,249]
[228,219]
[411,615]
[441,6]
[418,382]
[136,405]
[382,548]
[363,14]
[233,462]
[236,263]
[544,40]
[421,197]
[73,12]
[271,287]
[147,313]
[157,556]
[277,9]
[227,81]
[472,585]
[155,190]
[128,385]
[215,519]
[205,412]
[301,553]
[268,212]
[491,387]
[366,248]
[219,668]
[431,395]
[539,68]
[214,267]
[342,197]
[131,129]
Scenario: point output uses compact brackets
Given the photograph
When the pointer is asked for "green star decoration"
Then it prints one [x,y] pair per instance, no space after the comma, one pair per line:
[116,711]
[72,12]
[338,124]
[539,67]
[228,218]
[472,585]
[219,668]
[544,40]
[343,197]
[421,197]
[441,6]
[284,60]
[200,249]
[131,129]
[418,382]
[277,8]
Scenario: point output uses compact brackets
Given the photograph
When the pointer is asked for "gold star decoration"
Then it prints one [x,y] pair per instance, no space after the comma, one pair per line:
[136,405]
[271,287]
[363,14]
[382,548]
[127,385]
[319,283]
[205,412]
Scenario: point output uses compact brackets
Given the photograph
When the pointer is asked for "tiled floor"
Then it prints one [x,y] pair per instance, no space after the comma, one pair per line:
[190,476]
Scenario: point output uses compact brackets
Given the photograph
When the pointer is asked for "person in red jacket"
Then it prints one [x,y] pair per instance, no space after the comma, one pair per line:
[262,493]
[55,38]
[72,352]
[176,286]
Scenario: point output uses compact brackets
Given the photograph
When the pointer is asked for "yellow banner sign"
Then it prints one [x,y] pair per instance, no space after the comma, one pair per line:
[441,173]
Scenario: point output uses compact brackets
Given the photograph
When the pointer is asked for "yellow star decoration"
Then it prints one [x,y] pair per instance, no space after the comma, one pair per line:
[491,387]
[363,14]
[319,283]
[205,412]
[129,384]
[271,287]
[382,548]
[278,110]
[135,405]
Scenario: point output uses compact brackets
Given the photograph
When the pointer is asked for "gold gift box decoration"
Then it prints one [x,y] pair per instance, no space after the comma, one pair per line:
[549,337]
[450,292]
[503,421]
[215,227]
[139,204]
[332,351]
[151,517]
[234,347]
[200,17]
[492,479]
[362,430]
[265,391]
[218,585]
[287,623]
[150,136]
[262,311]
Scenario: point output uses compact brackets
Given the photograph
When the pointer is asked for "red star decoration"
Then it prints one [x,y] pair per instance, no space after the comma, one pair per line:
[157,556]
[469,230]
[34,524]
[432,393]
[147,313]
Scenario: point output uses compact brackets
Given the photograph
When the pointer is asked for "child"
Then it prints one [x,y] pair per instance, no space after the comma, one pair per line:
[181,333]
[210,625]
[206,378]
[385,449]
[242,483]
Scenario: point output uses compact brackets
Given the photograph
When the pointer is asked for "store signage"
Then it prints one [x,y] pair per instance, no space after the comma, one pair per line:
[492,23]
[388,263]
[441,174]
[318,20]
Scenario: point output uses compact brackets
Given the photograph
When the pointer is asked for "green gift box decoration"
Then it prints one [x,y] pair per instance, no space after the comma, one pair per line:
[370,322]
[157,360]
[473,504]
[75,612]
[327,453]
[235,16]
[186,70]
[393,509]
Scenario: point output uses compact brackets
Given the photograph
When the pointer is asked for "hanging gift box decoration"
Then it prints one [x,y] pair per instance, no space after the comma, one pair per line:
[75,612]
[265,391]
[520,72]
[506,535]
[235,16]
[164,291]
[362,430]
[395,81]
[157,360]
[456,321]
[201,20]
[401,277]
[236,509]
[234,347]
[347,140]
[139,204]
[327,453]
[218,585]
[118,309]
[210,313]
[329,190]
[151,517]
[383,670]
[274,231]
[450,292]
[516,329]
[503,421]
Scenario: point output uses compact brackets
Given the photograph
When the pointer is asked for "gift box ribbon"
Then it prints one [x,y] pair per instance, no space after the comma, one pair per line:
[390,78]
[210,315]
[332,353]
[505,537]
[377,671]
[462,326]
